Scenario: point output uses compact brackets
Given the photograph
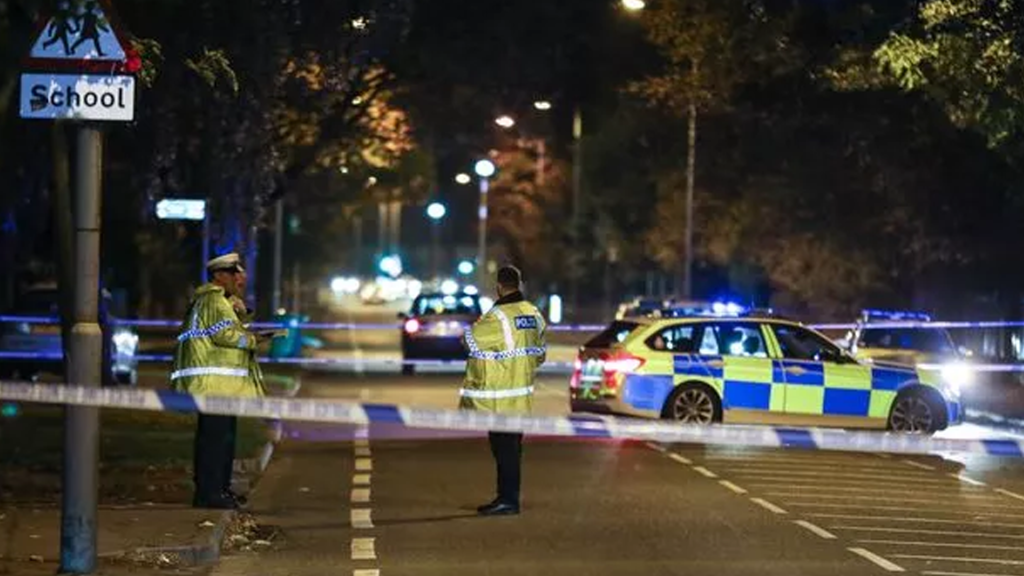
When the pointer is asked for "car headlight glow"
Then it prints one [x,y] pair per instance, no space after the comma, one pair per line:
[126,342]
[957,374]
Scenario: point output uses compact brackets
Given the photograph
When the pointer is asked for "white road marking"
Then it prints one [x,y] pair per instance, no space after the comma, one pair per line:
[705,472]
[884,456]
[656,446]
[815,529]
[970,481]
[770,458]
[959,559]
[768,505]
[732,487]
[902,509]
[908,476]
[819,488]
[932,532]
[877,560]
[363,549]
[361,479]
[360,495]
[364,572]
[364,464]
[360,518]
[816,467]
[789,481]
[362,433]
[880,498]
[918,465]
[680,459]
[361,442]
[363,452]
[903,520]
[1010,494]
[936,573]
[940,544]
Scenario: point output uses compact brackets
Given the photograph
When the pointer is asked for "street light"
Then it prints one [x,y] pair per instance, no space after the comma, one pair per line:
[435,211]
[542,105]
[505,121]
[462,178]
[484,169]
[634,5]
[184,209]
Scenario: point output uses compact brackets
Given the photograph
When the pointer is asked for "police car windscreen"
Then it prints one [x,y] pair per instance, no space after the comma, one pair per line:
[614,334]
[922,339]
[432,305]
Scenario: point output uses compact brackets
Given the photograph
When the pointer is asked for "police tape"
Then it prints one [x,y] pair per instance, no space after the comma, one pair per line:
[579,426]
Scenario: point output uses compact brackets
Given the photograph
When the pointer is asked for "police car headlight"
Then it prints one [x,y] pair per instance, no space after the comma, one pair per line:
[126,342]
[957,374]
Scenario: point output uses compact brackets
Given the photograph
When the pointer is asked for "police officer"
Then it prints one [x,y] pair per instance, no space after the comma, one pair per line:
[215,355]
[506,345]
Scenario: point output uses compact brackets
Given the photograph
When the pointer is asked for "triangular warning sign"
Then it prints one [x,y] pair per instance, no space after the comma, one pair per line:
[79,32]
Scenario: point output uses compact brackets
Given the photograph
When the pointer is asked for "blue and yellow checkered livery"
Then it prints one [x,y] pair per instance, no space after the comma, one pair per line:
[766,386]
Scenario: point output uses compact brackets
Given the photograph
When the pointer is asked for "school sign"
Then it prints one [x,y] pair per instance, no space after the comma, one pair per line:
[81,58]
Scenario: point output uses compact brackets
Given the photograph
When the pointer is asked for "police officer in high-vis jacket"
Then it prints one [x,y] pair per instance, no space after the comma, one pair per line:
[216,356]
[506,346]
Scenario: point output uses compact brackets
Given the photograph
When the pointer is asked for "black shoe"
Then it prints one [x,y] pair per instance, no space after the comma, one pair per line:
[219,503]
[490,504]
[499,509]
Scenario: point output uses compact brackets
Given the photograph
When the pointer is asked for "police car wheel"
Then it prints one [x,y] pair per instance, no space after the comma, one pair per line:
[914,413]
[693,403]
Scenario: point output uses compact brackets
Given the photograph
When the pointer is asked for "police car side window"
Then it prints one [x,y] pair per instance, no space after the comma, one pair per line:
[679,338]
[799,344]
[735,339]
[709,341]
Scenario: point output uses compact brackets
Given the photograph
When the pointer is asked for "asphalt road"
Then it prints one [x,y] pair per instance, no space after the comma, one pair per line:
[401,501]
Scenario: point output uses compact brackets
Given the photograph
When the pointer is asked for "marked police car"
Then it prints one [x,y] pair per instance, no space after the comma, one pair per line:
[28,349]
[432,329]
[712,367]
[908,338]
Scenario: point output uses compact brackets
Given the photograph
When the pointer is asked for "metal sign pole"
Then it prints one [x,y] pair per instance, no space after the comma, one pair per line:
[82,424]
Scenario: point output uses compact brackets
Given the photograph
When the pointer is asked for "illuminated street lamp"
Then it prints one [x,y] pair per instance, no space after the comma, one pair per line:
[435,211]
[484,169]
[462,178]
[542,105]
[634,5]
[505,121]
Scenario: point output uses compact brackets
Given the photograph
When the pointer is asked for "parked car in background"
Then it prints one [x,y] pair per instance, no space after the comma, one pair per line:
[433,327]
[32,346]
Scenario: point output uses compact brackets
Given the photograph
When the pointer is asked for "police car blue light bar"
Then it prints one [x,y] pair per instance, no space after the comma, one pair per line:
[869,315]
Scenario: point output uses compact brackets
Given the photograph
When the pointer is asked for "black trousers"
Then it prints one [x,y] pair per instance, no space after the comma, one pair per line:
[507,448]
[214,455]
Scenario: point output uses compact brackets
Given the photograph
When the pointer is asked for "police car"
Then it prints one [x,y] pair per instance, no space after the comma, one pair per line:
[908,338]
[752,368]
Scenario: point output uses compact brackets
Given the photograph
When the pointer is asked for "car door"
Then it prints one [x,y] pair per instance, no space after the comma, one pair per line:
[820,379]
[748,378]
[671,359]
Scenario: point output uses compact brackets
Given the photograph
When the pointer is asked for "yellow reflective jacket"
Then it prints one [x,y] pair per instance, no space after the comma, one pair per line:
[215,355]
[506,346]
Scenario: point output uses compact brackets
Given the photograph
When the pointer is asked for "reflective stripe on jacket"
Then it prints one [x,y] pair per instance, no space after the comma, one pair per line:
[506,346]
[215,355]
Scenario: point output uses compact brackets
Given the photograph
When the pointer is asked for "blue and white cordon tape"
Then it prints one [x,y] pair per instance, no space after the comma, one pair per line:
[588,426]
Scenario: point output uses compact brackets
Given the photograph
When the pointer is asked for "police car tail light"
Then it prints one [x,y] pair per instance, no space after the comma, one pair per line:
[623,364]
[412,326]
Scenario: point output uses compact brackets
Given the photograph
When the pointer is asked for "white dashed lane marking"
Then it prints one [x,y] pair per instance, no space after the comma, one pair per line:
[877,560]
[362,451]
[364,572]
[364,464]
[704,472]
[929,532]
[363,549]
[732,487]
[904,521]
[360,479]
[680,459]
[656,446]
[1010,494]
[938,573]
[768,505]
[948,512]
[360,495]
[918,465]
[815,529]
[360,518]
[967,480]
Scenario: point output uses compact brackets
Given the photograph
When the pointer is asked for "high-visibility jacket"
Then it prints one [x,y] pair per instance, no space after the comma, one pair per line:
[215,355]
[506,345]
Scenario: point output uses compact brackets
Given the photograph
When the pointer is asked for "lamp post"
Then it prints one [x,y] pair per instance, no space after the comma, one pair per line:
[436,212]
[484,169]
